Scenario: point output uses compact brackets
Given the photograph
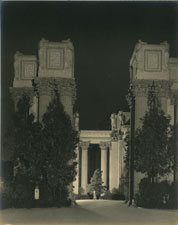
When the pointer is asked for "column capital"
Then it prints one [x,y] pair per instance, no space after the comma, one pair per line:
[84,145]
[141,87]
[47,86]
[104,145]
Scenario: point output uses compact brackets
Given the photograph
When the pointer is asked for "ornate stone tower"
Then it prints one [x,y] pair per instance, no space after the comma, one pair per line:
[25,70]
[56,71]
[40,78]
[151,63]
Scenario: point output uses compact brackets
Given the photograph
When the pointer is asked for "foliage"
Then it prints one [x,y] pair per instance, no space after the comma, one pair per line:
[97,183]
[19,137]
[60,140]
[107,195]
[90,191]
[113,195]
[6,197]
[152,145]
[126,158]
[81,196]
[117,195]
[155,195]
[43,155]
[125,181]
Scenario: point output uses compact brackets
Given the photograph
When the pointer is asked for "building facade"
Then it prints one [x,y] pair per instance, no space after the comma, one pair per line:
[151,63]
[53,69]
[40,76]
[111,145]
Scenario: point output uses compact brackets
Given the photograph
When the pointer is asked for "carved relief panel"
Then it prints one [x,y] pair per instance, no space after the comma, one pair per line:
[25,69]
[28,69]
[153,60]
[25,66]
[150,61]
[56,59]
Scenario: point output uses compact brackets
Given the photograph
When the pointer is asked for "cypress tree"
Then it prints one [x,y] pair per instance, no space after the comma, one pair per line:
[153,155]
[60,140]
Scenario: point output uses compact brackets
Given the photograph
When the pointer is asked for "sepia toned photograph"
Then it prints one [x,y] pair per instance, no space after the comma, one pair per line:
[89,113]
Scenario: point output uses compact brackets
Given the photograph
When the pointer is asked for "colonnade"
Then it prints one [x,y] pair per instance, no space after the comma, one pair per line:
[104,146]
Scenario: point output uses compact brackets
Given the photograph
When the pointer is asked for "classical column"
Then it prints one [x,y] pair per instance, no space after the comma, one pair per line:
[114,161]
[104,160]
[84,166]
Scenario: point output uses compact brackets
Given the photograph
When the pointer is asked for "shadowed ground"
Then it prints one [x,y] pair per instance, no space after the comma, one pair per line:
[90,212]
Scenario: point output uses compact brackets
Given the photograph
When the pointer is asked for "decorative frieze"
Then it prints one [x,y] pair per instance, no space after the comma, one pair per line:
[25,66]
[47,86]
[56,59]
[141,87]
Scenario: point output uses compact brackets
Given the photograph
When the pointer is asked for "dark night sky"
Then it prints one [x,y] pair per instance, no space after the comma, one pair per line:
[104,35]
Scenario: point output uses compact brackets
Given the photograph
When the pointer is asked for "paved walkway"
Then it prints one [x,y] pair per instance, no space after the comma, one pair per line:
[90,212]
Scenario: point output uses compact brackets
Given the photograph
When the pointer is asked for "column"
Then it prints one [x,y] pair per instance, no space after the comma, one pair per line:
[43,89]
[34,108]
[84,166]
[104,160]
[114,162]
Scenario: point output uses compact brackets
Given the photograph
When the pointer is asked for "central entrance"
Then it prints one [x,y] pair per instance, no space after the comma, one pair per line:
[94,153]
[94,159]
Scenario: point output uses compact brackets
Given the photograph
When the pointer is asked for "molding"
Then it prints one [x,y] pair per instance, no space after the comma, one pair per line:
[95,133]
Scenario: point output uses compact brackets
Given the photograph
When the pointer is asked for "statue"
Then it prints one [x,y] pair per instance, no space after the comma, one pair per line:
[113,121]
[121,119]
[77,121]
